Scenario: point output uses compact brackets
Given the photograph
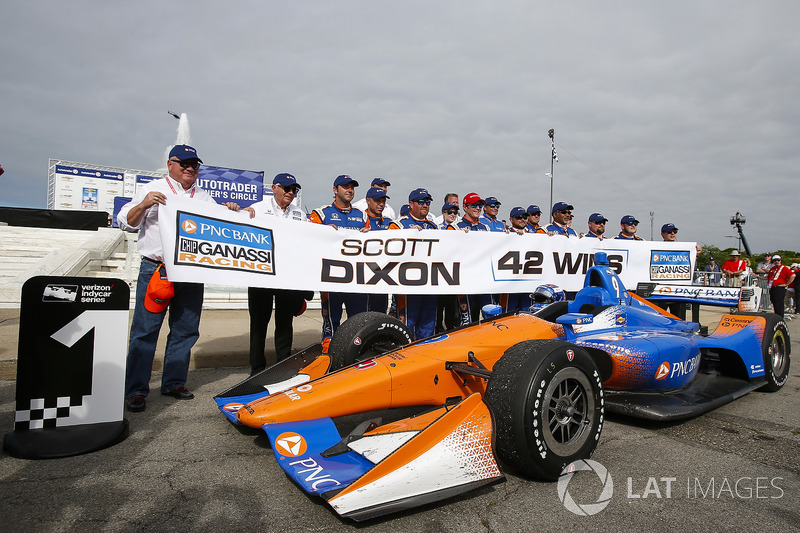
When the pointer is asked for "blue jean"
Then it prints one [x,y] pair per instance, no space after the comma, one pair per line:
[184,330]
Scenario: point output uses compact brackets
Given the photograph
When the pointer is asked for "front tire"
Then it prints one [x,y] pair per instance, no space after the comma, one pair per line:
[547,400]
[366,335]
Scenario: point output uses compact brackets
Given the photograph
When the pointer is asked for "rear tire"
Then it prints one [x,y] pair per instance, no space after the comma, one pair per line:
[547,400]
[366,335]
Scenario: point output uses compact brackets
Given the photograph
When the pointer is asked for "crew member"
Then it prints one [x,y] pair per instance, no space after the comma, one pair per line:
[260,300]
[417,311]
[376,206]
[628,225]
[597,226]
[341,215]
[562,218]
[491,207]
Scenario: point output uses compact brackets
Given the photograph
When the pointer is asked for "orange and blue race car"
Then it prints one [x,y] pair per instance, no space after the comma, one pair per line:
[383,423]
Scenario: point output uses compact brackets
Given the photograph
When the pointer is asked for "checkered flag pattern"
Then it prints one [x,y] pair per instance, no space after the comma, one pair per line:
[45,414]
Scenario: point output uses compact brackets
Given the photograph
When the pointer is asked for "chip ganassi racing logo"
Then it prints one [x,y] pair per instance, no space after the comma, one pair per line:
[290,444]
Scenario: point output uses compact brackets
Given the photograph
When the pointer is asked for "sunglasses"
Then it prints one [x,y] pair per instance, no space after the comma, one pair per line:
[672,232]
[292,188]
[495,206]
[451,212]
[194,163]
[598,223]
[473,205]
[631,224]
[520,217]
[564,211]
[422,202]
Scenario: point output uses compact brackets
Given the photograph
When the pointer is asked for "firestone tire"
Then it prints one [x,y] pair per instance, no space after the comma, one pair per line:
[775,348]
[366,335]
[548,405]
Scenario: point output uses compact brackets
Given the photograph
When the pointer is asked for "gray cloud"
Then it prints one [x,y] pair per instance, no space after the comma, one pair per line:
[684,109]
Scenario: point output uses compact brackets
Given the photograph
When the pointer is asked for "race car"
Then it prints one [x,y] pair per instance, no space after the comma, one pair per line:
[528,391]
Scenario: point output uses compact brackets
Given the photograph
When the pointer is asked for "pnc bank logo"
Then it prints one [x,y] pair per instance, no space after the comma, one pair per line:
[291,444]
[189,226]
[663,371]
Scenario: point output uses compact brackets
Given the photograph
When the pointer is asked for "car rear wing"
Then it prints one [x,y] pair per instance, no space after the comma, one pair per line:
[746,298]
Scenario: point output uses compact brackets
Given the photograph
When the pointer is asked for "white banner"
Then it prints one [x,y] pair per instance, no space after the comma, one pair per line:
[209,244]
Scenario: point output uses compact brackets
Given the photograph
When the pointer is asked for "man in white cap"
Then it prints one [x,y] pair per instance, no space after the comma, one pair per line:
[733,268]
[779,277]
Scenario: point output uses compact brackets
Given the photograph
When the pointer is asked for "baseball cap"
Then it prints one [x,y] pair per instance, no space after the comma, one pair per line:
[560,206]
[517,212]
[668,227]
[597,218]
[286,180]
[711,258]
[628,219]
[776,256]
[160,291]
[404,210]
[533,209]
[448,206]
[183,152]
[376,192]
[344,179]
[419,194]
[473,198]
[492,200]
[380,181]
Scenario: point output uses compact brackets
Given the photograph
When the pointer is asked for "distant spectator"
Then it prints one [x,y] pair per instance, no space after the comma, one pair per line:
[628,225]
[763,267]
[381,183]
[490,209]
[779,277]
[562,218]
[733,268]
[597,226]
[713,271]
[790,301]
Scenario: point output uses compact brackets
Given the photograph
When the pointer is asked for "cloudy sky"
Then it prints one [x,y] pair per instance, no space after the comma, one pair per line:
[689,110]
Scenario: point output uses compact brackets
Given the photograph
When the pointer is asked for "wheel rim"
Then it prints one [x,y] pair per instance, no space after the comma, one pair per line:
[778,353]
[568,408]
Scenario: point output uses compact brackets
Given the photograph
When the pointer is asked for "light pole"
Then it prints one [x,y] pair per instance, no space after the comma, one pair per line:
[553,158]
[738,220]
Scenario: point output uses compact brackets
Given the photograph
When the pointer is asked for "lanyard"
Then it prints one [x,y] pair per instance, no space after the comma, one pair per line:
[191,195]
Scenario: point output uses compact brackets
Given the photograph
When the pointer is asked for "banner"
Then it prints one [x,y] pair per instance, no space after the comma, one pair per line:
[86,188]
[210,244]
[245,187]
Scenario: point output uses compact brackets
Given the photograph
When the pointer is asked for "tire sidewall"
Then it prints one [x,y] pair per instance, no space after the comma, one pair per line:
[775,326]
[358,333]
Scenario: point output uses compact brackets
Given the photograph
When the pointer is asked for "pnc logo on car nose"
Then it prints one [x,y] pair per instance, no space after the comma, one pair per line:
[291,444]
[663,371]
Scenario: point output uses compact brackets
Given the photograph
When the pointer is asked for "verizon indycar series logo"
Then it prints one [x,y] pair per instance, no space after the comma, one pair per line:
[670,265]
[223,245]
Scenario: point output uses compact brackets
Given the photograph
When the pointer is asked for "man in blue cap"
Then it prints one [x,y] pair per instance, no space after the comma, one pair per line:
[376,203]
[417,311]
[383,184]
[141,214]
[669,232]
[562,219]
[491,207]
[340,214]
[534,216]
[597,226]
[519,220]
[260,301]
[628,225]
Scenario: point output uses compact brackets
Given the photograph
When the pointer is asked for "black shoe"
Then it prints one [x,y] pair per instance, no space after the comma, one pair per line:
[137,403]
[179,393]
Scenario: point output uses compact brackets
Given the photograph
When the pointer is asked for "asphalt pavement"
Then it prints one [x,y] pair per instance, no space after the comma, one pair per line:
[185,468]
